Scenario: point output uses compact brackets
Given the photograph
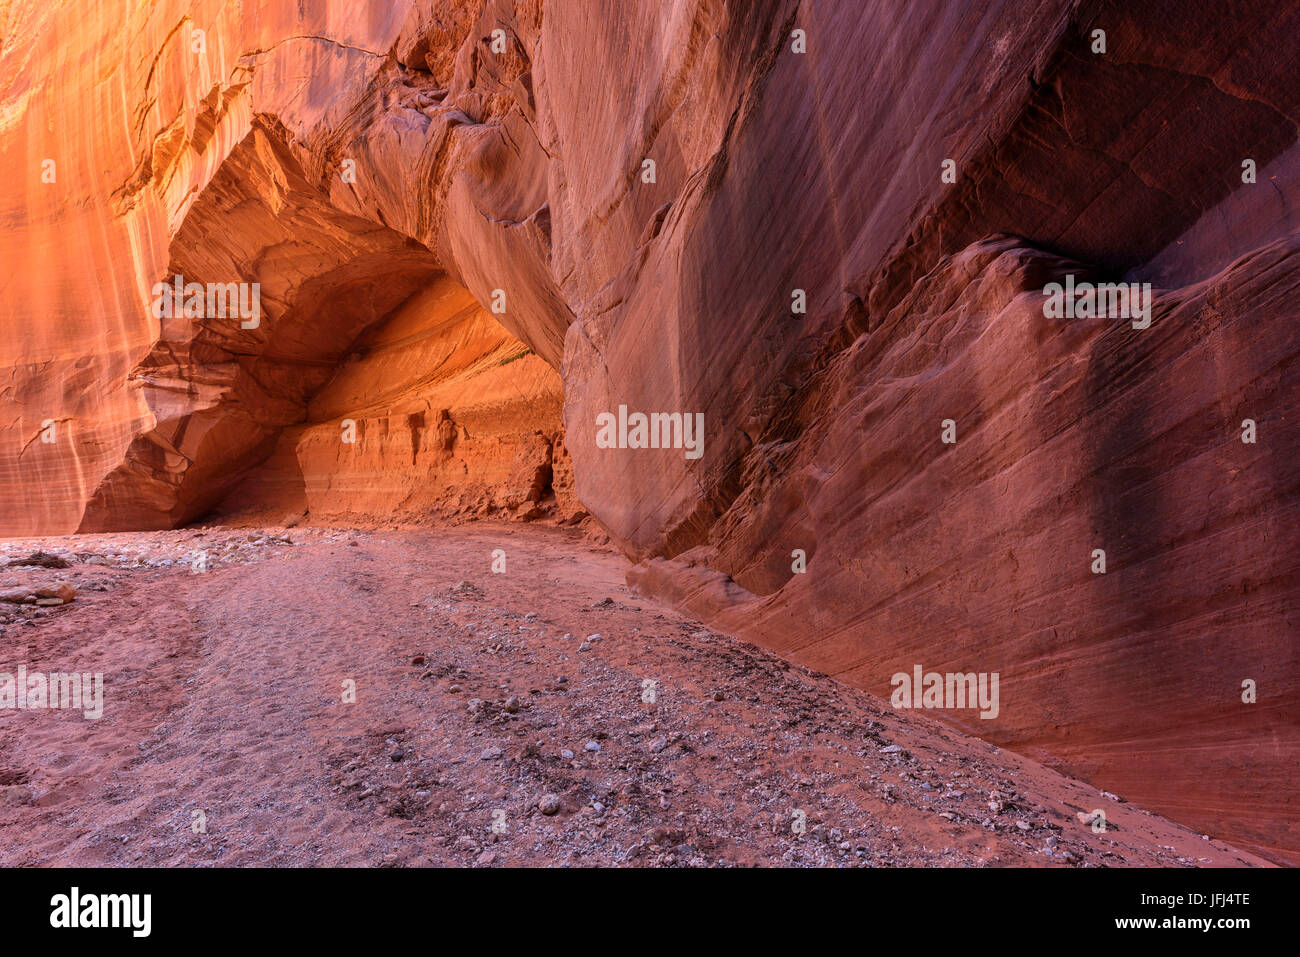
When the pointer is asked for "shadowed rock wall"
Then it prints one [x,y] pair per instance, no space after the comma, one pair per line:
[351,158]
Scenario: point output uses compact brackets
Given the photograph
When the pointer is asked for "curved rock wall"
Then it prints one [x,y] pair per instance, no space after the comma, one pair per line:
[639,198]
[431,414]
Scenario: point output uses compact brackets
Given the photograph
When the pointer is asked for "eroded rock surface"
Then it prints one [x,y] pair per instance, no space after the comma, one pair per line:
[378,169]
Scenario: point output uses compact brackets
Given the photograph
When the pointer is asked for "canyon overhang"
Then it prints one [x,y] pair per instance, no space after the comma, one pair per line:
[460,246]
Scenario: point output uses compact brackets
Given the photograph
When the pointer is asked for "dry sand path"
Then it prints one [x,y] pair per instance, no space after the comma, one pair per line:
[480,701]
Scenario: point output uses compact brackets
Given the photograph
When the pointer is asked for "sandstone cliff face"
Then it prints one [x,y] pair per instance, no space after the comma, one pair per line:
[431,414]
[381,168]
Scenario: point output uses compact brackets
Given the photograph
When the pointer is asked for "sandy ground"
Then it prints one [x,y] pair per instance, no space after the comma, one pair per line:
[488,728]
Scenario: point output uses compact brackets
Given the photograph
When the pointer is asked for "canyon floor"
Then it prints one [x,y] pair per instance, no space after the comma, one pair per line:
[491,725]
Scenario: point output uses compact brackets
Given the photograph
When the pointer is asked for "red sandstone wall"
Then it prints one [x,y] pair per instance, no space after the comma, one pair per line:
[520,169]
[434,413]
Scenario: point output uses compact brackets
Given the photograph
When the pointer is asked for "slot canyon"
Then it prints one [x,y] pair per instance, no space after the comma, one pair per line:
[473,227]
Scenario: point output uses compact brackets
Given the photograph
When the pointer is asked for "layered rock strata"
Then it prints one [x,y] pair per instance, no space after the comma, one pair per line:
[645,199]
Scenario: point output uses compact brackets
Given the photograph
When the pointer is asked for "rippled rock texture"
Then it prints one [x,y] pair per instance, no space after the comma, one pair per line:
[478,226]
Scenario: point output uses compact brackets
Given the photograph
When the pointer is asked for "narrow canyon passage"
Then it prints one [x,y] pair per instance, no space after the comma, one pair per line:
[463,237]
[593,725]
